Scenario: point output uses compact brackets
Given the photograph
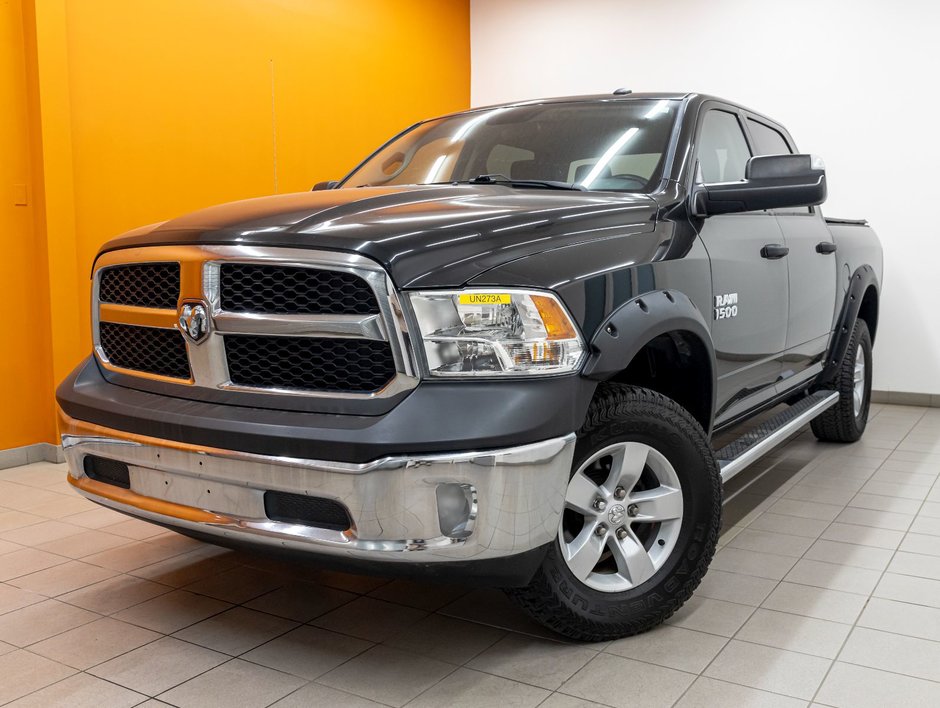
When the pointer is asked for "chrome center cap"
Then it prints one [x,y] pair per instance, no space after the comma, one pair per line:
[616,514]
[194,321]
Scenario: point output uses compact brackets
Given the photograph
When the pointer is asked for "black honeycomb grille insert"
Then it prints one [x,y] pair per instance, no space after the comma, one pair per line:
[148,349]
[309,511]
[112,472]
[286,290]
[141,285]
[342,365]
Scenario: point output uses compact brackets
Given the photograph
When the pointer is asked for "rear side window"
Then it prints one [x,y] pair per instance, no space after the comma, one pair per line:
[767,141]
[722,151]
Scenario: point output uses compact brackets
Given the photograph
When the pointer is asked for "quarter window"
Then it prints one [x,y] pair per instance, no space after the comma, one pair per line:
[767,141]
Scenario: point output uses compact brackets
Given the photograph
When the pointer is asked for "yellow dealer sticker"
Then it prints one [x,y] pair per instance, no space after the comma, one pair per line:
[485,299]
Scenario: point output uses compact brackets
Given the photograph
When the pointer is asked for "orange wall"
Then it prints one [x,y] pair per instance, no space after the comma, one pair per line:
[149,109]
[178,104]
[25,384]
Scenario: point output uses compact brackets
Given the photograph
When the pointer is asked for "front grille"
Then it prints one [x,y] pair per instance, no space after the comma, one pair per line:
[288,290]
[298,322]
[148,349]
[309,511]
[354,365]
[112,472]
[141,285]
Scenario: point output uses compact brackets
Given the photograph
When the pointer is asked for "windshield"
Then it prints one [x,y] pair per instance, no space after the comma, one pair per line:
[607,146]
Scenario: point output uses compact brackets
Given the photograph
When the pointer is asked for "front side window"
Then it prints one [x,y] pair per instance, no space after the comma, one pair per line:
[607,146]
[722,150]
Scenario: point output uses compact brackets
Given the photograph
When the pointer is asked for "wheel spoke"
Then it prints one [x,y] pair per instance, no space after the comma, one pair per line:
[659,504]
[627,466]
[581,494]
[584,551]
[633,562]
[858,390]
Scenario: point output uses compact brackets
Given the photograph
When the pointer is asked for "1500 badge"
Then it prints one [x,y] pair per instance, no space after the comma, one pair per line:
[726,306]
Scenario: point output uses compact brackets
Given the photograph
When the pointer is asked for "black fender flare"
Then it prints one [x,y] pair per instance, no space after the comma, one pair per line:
[862,278]
[637,322]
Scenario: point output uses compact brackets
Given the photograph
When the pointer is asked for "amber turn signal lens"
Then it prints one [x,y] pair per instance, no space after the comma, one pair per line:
[554,318]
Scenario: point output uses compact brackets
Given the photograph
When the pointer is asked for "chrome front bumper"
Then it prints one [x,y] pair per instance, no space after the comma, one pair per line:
[517,495]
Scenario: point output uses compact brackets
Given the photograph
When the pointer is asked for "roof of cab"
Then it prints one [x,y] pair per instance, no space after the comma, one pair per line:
[590,98]
[698,98]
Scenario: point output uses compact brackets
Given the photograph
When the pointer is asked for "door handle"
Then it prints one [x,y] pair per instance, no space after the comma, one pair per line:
[825,247]
[773,251]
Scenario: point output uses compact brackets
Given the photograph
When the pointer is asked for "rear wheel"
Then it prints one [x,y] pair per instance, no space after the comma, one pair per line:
[846,420]
[641,518]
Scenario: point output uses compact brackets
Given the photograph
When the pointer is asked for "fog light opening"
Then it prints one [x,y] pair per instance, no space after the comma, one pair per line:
[456,509]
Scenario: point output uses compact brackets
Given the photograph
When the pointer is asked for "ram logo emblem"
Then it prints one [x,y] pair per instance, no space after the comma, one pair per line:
[194,321]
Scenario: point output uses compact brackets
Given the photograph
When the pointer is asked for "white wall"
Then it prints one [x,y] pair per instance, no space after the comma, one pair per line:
[853,80]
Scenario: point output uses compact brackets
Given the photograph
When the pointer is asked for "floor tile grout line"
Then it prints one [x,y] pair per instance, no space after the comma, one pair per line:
[111,616]
[169,589]
[738,685]
[718,653]
[870,595]
[78,672]
[456,667]
[332,688]
[171,636]
[889,671]
[597,652]
[70,590]
[29,693]
[66,559]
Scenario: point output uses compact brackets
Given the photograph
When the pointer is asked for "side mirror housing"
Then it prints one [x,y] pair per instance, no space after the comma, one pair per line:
[770,182]
[328,184]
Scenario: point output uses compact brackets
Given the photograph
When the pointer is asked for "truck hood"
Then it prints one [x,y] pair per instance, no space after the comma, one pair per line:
[431,236]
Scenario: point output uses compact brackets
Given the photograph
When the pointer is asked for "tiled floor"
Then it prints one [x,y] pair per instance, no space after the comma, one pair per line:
[826,589]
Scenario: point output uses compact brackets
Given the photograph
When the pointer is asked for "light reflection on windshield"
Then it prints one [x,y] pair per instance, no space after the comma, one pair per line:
[597,145]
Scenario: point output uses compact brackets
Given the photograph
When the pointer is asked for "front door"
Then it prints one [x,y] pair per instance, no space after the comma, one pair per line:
[749,277]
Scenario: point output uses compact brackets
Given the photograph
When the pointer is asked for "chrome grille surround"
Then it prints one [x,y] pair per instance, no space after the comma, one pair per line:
[200,281]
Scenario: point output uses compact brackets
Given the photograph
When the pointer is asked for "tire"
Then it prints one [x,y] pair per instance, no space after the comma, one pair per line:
[846,420]
[644,576]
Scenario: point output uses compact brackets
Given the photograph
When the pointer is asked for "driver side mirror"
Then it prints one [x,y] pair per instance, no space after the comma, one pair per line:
[329,184]
[770,182]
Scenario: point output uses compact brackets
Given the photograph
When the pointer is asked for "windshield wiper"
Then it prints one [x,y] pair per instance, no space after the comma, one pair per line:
[538,183]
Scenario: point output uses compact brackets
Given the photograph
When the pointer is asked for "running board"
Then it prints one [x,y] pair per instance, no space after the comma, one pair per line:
[754,444]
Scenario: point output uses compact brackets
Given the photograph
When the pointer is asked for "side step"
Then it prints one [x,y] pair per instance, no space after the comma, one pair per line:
[755,443]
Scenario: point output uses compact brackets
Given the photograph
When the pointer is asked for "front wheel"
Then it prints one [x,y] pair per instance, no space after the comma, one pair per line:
[640,522]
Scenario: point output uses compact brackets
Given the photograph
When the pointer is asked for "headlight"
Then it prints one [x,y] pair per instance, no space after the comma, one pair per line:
[496,332]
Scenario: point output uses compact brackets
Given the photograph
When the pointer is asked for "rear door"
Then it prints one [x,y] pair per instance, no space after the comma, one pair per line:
[811,268]
[749,291]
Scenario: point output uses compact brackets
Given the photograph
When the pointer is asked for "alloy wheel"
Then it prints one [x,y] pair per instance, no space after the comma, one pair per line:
[622,517]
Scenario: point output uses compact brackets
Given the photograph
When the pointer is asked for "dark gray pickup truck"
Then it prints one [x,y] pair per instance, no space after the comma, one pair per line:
[499,350]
